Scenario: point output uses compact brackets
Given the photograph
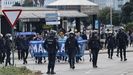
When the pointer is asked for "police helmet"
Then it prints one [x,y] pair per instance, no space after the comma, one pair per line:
[71,35]
[1,35]
[8,35]
[52,33]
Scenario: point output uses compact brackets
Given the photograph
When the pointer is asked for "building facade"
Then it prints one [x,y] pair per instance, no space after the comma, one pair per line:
[115,4]
[9,3]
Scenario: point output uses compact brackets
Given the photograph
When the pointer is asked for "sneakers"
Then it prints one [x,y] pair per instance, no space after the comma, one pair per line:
[125,59]
[72,67]
[53,72]
[94,66]
[50,72]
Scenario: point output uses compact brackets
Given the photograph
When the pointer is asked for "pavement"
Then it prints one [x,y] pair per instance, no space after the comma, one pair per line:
[105,66]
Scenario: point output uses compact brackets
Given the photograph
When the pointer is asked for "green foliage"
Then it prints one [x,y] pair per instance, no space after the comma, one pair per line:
[129,26]
[28,3]
[116,19]
[104,16]
[17,4]
[127,11]
[15,71]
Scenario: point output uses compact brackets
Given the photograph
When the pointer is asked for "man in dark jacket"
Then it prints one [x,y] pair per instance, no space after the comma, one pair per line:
[19,46]
[52,46]
[25,45]
[8,47]
[71,48]
[110,41]
[2,50]
[84,36]
[122,42]
[94,45]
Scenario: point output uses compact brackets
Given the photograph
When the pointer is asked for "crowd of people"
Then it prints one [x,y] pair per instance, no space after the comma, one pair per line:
[119,41]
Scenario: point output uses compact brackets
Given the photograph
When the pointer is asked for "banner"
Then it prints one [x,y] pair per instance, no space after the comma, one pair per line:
[37,50]
[25,33]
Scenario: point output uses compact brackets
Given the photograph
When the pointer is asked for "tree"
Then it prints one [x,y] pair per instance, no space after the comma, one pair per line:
[104,16]
[131,0]
[127,10]
[116,19]
[28,3]
[17,4]
[129,26]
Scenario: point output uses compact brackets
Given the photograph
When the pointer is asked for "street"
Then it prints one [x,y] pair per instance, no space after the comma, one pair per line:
[105,66]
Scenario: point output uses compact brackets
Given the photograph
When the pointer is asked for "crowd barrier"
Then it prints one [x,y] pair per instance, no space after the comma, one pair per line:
[37,50]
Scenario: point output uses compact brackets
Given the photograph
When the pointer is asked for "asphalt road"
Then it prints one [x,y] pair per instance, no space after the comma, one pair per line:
[105,66]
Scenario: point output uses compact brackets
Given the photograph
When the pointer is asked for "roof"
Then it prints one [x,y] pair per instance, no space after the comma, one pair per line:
[35,12]
[28,8]
[72,2]
[42,14]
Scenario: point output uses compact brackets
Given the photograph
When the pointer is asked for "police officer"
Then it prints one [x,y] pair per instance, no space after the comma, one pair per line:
[51,45]
[2,51]
[71,48]
[8,47]
[25,45]
[19,46]
[110,41]
[94,45]
[122,42]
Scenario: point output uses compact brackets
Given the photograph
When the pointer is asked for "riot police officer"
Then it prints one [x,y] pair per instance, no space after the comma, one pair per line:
[94,45]
[18,42]
[8,47]
[2,51]
[71,48]
[51,45]
[122,42]
[25,44]
[110,41]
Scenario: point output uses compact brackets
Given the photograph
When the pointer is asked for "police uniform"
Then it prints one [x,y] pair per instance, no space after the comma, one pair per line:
[51,45]
[71,48]
[2,51]
[19,46]
[122,41]
[94,45]
[25,44]
[110,41]
[8,46]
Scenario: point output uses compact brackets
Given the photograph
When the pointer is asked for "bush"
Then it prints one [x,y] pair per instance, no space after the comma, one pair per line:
[129,26]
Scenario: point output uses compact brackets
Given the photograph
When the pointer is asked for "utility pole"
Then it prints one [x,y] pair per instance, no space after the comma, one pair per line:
[111,12]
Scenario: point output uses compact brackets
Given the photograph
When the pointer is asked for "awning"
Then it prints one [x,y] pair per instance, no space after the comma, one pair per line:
[35,12]
[42,14]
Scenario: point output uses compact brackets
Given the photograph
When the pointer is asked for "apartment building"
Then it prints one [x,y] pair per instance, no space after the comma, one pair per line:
[115,4]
